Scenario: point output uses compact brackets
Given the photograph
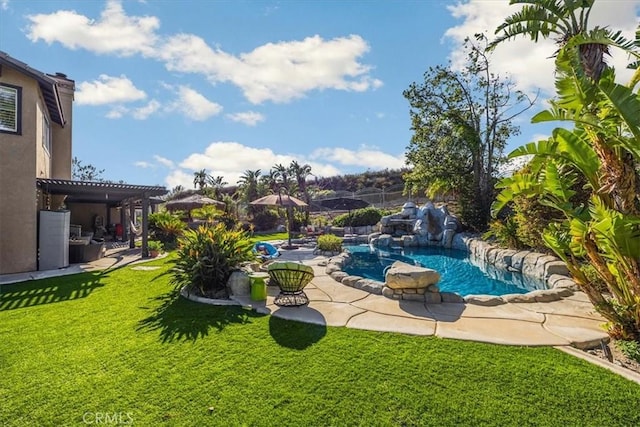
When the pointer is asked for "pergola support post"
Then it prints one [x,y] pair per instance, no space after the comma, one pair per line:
[132,219]
[145,225]
[123,219]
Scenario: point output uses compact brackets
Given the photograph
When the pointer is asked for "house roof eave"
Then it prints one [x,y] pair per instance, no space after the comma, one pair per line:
[48,86]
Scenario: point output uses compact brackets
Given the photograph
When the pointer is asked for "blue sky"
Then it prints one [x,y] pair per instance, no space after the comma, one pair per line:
[165,88]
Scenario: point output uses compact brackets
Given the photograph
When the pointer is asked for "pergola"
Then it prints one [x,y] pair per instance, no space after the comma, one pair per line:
[111,195]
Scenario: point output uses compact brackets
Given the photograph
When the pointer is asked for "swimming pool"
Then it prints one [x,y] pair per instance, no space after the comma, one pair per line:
[459,274]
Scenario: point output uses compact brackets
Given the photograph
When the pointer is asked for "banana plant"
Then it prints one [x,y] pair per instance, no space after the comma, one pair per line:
[603,149]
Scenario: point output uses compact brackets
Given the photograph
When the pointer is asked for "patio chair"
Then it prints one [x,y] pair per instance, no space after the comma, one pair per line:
[291,278]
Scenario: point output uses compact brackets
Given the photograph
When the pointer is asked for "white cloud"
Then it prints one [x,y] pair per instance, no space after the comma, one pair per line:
[164,161]
[368,157]
[231,159]
[4,4]
[117,112]
[107,90]
[530,64]
[114,32]
[179,177]
[158,161]
[278,72]
[194,105]
[143,164]
[249,118]
[142,113]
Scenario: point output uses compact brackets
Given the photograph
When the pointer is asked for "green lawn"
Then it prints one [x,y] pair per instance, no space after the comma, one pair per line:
[258,237]
[124,343]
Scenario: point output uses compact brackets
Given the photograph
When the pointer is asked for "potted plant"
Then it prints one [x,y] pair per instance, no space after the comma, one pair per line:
[155,247]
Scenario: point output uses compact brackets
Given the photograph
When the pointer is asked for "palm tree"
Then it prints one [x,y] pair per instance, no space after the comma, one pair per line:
[248,184]
[248,187]
[282,177]
[269,182]
[561,19]
[200,179]
[567,20]
[301,173]
[175,191]
[217,183]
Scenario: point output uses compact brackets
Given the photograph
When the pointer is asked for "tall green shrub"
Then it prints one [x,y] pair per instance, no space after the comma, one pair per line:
[359,218]
[329,242]
[207,256]
[166,227]
[265,220]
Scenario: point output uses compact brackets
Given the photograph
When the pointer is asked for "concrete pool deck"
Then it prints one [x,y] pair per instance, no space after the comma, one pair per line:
[571,321]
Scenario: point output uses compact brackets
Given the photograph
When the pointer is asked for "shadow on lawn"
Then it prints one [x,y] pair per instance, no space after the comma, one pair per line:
[295,335]
[178,319]
[47,291]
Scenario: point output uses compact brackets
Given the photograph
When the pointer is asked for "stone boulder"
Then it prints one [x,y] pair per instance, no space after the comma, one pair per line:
[401,275]
[452,223]
[383,241]
[447,238]
[239,284]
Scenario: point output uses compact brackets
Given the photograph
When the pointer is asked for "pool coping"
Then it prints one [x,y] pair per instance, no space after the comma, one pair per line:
[561,286]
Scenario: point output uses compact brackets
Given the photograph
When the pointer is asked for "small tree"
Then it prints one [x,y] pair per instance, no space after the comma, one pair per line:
[82,172]
[461,122]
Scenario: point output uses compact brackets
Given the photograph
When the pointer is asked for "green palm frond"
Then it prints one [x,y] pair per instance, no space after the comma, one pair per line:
[603,36]
[518,184]
[541,18]
[543,147]
[578,151]
[627,105]
[618,234]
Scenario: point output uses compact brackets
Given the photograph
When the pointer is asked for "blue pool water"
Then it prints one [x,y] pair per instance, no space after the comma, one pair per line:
[458,273]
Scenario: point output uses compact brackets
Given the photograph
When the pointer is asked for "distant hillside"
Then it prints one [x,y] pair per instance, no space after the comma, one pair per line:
[356,182]
[353,183]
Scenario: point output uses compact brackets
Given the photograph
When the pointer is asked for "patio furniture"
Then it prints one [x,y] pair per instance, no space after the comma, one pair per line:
[265,251]
[258,286]
[291,278]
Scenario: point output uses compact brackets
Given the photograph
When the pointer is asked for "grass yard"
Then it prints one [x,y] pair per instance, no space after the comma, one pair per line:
[123,344]
[258,237]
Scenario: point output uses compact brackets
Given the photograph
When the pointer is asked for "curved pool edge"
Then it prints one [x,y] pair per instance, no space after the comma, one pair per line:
[558,287]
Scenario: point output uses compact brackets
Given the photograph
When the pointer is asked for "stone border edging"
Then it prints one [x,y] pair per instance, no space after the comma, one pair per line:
[533,264]
[210,301]
[627,373]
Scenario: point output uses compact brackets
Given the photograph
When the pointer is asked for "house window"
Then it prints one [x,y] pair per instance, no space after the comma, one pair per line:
[10,120]
[46,134]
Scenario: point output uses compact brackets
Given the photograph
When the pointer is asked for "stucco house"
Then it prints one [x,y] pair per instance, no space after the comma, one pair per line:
[36,112]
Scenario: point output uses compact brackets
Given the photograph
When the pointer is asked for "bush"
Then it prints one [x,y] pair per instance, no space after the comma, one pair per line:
[330,242]
[166,227]
[154,245]
[359,218]
[631,349]
[299,219]
[532,218]
[266,220]
[207,256]
[505,232]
